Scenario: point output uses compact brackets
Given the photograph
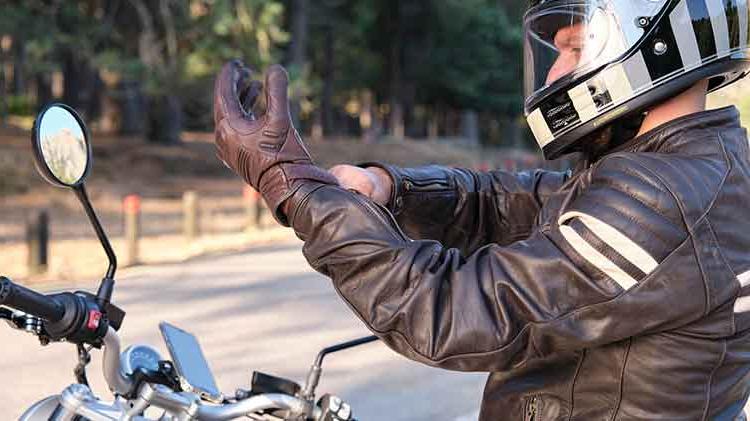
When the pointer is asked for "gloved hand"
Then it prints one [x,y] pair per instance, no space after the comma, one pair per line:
[266,151]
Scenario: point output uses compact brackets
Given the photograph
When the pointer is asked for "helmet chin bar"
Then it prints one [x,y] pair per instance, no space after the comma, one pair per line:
[728,70]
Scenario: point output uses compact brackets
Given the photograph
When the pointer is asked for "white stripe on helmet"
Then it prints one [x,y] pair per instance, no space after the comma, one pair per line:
[682,26]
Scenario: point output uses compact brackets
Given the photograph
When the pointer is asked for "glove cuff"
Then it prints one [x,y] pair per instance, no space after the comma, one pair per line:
[281,181]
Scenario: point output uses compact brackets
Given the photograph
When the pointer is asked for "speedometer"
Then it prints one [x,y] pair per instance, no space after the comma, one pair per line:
[139,356]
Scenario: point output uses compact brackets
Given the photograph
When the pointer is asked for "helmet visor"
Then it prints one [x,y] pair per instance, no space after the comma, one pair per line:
[564,39]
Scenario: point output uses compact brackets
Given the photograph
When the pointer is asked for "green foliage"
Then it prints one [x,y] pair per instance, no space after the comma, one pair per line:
[250,29]
[472,58]
[428,54]
[19,104]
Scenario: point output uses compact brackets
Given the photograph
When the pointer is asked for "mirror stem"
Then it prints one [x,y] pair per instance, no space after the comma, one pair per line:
[105,289]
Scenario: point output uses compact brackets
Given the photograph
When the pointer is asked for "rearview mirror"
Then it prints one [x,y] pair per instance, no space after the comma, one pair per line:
[62,154]
[61,147]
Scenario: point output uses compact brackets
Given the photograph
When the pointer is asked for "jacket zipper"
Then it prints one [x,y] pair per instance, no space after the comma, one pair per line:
[425,185]
[532,407]
[377,211]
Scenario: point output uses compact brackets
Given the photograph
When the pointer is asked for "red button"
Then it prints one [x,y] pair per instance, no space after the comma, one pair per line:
[94,317]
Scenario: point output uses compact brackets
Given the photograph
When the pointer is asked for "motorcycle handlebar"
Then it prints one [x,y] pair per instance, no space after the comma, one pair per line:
[28,301]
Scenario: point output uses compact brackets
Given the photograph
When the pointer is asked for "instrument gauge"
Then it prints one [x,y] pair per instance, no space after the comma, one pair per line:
[139,356]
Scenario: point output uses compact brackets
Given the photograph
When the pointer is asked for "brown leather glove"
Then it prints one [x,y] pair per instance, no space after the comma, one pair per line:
[266,151]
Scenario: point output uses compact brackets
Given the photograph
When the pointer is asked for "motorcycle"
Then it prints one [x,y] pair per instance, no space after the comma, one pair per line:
[142,382]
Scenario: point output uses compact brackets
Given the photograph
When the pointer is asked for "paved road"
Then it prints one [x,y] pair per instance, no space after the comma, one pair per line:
[261,310]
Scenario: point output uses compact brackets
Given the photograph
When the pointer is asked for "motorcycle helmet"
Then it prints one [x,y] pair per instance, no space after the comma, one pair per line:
[590,63]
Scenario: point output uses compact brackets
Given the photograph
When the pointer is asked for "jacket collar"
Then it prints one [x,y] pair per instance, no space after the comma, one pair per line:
[654,139]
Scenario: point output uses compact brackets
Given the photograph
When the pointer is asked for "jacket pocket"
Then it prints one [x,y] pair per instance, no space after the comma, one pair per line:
[425,185]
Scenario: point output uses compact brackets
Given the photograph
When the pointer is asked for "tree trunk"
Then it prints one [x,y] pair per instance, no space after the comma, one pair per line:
[470,126]
[316,133]
[165,123]
[298,49]
[82,85]
[396,123]
[328,81]
[298,45]
[132,104]
[367,117]
[43,89]
[433,124]
[3,100]
[396,120]
[19,66]
[71,83]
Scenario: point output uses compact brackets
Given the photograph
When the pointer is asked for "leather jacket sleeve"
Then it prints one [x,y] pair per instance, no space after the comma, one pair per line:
[502,306]
[467,209]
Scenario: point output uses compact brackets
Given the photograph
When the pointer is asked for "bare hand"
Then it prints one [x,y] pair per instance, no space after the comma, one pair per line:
[372,182]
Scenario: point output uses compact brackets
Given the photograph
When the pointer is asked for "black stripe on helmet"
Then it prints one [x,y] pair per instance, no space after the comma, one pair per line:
[731,9]
[559,113]
[704,32]
[661,63]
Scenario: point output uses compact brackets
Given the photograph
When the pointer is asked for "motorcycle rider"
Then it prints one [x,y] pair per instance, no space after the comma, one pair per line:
[619,290]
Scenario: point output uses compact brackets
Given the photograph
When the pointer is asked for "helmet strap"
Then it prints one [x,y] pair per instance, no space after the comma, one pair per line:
[602,141]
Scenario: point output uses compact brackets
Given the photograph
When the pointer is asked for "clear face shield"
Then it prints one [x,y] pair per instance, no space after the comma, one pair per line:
[565,39]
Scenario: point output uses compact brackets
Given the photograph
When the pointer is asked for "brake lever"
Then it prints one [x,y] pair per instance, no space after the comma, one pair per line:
[21,321]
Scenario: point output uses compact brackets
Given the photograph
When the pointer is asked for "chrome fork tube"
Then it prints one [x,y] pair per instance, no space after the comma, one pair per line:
[117,381]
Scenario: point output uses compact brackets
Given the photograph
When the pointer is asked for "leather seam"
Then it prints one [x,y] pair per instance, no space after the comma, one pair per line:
[690,234]
[611,183]
[711,379]
[732,320]
[724,178]
[622,380]
[573,384]
[303,203]
[665,186]
[642,226]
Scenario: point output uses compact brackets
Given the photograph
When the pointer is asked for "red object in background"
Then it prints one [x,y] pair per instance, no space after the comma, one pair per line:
[94,317]
[250,193]
[131,203]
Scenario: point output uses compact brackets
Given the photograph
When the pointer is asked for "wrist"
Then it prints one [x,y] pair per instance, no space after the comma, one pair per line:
[383,185]
[281,181]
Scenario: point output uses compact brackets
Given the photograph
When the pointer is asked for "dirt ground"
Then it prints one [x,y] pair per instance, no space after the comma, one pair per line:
[160,175]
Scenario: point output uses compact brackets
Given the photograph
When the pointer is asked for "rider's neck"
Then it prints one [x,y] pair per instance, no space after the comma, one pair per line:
[689,102]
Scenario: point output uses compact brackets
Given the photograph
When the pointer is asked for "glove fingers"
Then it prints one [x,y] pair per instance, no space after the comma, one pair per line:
[277,83]
[249,97]
[226,99]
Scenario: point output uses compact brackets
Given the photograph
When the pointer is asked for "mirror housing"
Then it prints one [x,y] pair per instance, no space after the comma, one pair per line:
[62,154]
[60,140]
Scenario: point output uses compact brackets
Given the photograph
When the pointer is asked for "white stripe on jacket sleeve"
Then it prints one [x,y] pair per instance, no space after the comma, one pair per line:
[631,251]
[598,260]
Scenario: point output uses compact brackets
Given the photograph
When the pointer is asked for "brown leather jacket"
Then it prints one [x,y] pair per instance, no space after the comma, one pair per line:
[618,292]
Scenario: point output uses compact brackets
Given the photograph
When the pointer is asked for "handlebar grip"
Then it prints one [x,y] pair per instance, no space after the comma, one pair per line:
[28,301]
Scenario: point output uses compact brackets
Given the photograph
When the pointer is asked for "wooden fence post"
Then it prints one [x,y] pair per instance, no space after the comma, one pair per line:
[191,215]
[131,207]
[253,207]
[37,239]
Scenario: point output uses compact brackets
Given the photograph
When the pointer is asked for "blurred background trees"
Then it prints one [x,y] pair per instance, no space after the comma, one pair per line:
[360,69]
